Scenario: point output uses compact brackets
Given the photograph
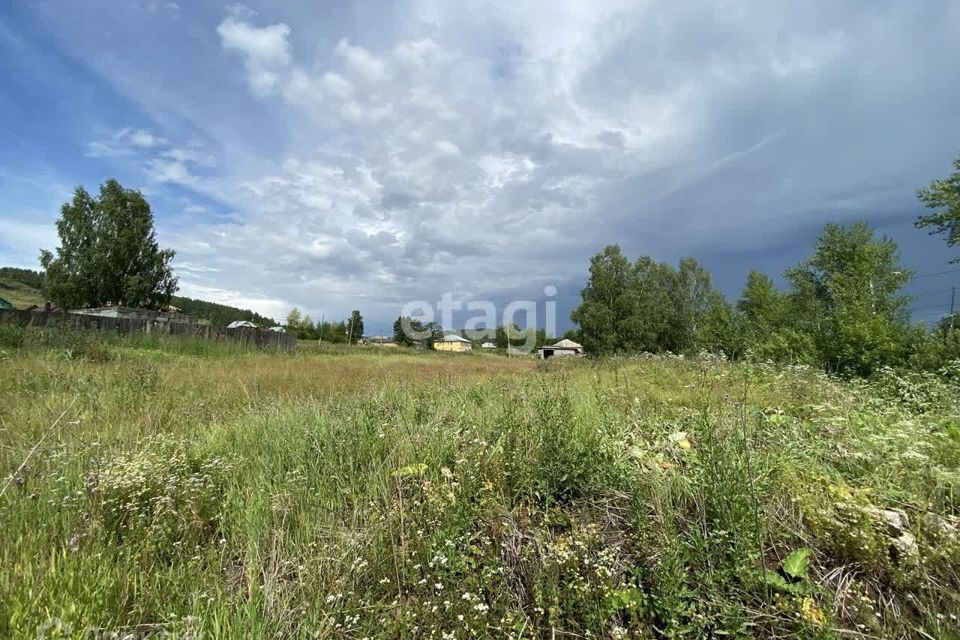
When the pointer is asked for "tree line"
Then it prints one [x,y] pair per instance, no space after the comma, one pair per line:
[843,308]
[219,314]
[28,277]
[349,331]
[411,332]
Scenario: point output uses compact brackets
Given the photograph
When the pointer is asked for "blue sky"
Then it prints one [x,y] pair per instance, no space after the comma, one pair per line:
[345,155]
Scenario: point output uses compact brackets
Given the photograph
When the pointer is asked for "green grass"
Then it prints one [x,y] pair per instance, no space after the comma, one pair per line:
[360,493]
[20,294]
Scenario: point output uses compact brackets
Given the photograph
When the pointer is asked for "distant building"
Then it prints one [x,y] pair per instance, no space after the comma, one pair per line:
[136,314]
[241,324]
[489,346]
[381,341]
[277,329]
[453,342]
[5,305]
[563,348]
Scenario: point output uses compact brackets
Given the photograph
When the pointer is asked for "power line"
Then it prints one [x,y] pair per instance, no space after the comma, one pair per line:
[938,307]
[931,292]
[938,273]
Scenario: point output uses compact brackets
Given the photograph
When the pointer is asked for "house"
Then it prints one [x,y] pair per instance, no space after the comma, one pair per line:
[488,346]
[453,342]
[381,341]
[241,324]
[563,348]
[5,305]
[277,329]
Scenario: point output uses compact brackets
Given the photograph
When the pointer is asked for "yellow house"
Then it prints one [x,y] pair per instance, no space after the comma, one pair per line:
[452,342]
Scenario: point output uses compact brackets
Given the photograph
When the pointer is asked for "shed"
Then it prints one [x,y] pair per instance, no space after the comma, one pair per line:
[241,324]
[563,348]
[453,342]
[5,305]
[488,346]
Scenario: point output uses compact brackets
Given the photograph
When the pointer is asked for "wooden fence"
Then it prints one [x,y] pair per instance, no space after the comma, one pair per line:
[259,338]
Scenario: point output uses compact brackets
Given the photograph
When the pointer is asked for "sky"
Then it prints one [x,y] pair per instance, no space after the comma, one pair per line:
[338,155]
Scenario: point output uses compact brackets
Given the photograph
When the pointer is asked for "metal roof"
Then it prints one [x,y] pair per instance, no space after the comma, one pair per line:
[452,337]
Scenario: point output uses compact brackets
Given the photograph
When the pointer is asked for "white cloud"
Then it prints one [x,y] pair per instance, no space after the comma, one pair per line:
[270,307]
[194,156]
[124,142]
[360,63]
[169,171]
[265,50]
[144,139]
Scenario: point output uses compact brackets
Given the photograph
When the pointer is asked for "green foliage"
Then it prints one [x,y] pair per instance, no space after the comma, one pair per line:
[943,196]
[843,312]
[409,332]
[847,296]
[30,278]
[355,327]
[935,350]
[656,497]
[293,320]
[764,318]
[918,391]
[162,496]
[650,306]
[792,577]
[108,253]
[785,345]
[797,563]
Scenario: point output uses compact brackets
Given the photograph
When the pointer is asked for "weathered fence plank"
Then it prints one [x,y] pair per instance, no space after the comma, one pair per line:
[258,338]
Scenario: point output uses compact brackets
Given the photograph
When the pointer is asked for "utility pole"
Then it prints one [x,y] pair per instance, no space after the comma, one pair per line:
[953,304]
[322,316]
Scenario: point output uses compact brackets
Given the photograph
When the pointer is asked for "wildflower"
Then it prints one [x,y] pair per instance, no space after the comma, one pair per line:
[812,613]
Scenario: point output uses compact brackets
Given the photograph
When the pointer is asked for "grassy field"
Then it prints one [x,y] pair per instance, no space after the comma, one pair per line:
[180,487]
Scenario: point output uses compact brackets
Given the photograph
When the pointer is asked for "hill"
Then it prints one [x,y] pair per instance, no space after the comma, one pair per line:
[21,294]
[219,314]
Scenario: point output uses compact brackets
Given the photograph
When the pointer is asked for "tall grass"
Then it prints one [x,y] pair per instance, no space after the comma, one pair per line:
[415,495]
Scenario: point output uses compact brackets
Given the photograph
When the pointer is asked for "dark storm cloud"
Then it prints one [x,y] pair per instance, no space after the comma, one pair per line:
[486,149]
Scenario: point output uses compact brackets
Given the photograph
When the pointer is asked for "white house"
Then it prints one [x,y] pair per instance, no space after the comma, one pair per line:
[563,348]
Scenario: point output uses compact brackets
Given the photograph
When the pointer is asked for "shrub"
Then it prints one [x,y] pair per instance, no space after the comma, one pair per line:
[160,495]
[917,391]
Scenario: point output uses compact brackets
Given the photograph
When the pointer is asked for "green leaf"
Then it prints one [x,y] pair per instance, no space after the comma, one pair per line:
[777,581]
[774,579]
[797,563]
